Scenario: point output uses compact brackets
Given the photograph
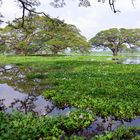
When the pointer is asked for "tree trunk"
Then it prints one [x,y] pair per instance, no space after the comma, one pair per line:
[115,52]
[54,50]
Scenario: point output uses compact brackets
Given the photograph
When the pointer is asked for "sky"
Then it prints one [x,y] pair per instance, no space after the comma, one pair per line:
[89,20]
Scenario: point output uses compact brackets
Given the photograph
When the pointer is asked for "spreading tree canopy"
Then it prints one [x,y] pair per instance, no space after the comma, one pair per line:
[40,34]
[116,39]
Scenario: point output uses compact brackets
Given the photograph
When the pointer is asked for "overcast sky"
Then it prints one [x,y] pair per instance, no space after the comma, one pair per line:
[89,20]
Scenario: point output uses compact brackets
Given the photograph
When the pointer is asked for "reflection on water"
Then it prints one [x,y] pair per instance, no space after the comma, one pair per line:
[132,60]
[18,78]
[11,99]
[109,124]
[19,92]
[129,60]
[9,94]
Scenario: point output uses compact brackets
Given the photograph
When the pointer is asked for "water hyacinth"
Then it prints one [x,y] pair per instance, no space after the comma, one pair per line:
[100,87]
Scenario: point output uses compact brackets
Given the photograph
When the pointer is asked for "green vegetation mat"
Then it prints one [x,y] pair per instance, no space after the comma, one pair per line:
[92,84]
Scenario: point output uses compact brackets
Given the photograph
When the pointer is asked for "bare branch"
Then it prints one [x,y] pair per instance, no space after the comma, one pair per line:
[133,3]
[27,5]
[112,6]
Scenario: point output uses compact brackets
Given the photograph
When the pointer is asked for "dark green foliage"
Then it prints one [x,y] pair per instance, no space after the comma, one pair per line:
[17,126]
[36,75]
[76,120]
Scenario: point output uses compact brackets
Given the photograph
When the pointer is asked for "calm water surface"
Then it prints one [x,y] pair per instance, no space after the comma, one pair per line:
[129,60]
[24,94]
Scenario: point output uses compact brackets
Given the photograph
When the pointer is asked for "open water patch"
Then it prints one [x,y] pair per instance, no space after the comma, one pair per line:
[10,100]
[100,126]
[129,60]
[18,92]
[19,79]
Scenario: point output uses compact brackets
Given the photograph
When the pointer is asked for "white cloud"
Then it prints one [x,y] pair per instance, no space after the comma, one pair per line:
[89,20]
[128,5]
[137,24]
[10,10]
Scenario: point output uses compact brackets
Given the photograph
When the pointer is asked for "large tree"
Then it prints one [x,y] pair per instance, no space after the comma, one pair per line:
[40,34]
[116,39]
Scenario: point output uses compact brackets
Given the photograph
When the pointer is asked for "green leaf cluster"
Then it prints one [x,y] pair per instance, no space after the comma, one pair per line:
[20,126]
